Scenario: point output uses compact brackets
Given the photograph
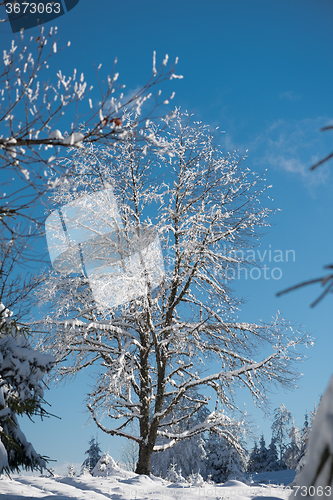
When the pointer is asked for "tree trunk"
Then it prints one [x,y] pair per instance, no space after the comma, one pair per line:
[143,465]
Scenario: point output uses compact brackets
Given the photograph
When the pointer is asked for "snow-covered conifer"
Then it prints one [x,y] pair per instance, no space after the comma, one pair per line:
[292,453]
[174,474]
[71,472]
[263,454]
[254,463]
[195,479]
[94,454]
[190,454]
[305,432]
[280,430]
[21,393]
[106,466]
[224,460]
[156,344]
[272,457]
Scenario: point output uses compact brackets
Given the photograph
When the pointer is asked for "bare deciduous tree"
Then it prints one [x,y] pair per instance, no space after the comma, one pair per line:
[182,335]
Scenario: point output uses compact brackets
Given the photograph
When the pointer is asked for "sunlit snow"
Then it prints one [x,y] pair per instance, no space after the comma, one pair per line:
[124,485]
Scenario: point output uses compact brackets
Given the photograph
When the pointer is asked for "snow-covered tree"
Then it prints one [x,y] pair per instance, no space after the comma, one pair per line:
[21,393]
[272,463]
[34,106]
[106,466]
[280,430]
[253,462]
[174,474]
[292,453]
[189,454]
[71,472]
[263,454]
[153,326]
[94,454]
[305,432]
[224,460]
[37,100]
[315,479]
[41,114]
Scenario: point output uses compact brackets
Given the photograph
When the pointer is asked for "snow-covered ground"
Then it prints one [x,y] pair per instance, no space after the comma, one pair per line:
[129,486]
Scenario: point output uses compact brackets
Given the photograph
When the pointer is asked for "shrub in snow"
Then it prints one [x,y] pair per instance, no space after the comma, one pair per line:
[195,479]
[21,393]
[173,476]
[316,477]
[85,471]
[71,472]
[105,466]
[209,479]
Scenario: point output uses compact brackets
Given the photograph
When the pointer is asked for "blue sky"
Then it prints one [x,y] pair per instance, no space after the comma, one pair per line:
[261,71]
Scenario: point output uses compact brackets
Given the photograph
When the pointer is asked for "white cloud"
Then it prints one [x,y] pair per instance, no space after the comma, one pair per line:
[294,146]
[289,95]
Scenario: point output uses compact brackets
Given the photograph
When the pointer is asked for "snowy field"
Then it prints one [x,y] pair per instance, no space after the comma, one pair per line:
[129,486]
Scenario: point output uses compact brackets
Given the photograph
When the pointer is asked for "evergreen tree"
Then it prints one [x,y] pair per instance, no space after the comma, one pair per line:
[263,454]
[280,429]
[173,475]
[316,477]
[189,454]
[94,454]
[105,466]
[253,464]
[85,471]
[21,393]
[291,454]
[303,443]
[224,460]
[272,457]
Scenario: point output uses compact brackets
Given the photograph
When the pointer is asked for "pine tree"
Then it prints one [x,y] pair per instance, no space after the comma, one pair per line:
[224,460]
[272,457]
[189,454]
[263,454]
[303,443]
[94,454]
[292,452]
[253,463]
[174,473]
[21,393]
[280,430]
